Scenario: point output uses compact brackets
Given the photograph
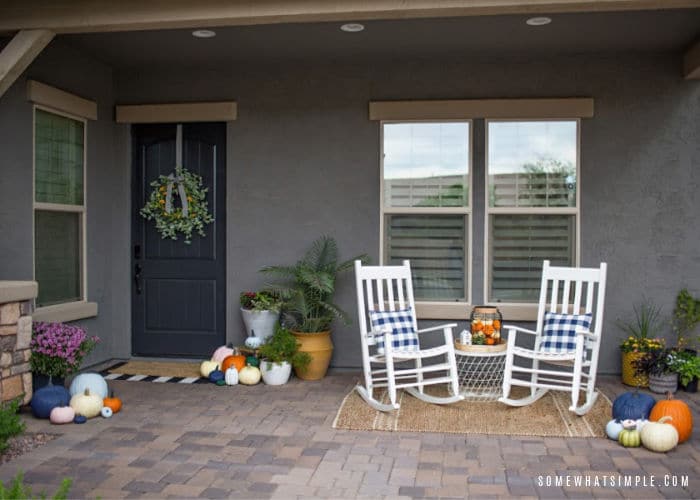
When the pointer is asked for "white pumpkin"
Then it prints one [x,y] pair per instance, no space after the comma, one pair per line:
[86,404]
[659,436]
[106,412]
[613,429]
[249,375]
[93,381]
[207,367]
[231,376]
[220,354]
[641,422]
[62,415]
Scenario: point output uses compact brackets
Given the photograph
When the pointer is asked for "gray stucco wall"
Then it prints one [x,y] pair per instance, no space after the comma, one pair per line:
[303,160]
[106,193]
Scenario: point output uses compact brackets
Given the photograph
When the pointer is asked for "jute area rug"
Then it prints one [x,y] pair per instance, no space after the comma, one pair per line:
[549,416]
[155,371]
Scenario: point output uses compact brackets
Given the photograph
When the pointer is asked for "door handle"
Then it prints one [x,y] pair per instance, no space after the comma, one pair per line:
[137,278]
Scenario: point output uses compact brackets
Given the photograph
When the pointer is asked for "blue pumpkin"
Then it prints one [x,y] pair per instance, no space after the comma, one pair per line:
[632,406]
[80,419]
[47,398]
[216,376]
[93,381]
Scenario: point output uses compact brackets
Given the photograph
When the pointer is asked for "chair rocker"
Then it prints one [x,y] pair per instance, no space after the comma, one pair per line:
[566,340]
[392,356]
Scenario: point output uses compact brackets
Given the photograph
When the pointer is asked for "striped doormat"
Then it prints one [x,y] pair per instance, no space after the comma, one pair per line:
[155,371]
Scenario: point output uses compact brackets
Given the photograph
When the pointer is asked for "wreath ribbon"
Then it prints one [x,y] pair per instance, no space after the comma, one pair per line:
[172,181]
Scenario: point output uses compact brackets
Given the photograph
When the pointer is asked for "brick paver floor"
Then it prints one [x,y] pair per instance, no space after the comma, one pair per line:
[189,441]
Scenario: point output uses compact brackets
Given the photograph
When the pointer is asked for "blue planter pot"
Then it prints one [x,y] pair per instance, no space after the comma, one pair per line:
[39,380]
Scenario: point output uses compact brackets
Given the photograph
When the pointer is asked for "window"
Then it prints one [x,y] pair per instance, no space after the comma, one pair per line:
[426,205]
[532,211]
[59,207]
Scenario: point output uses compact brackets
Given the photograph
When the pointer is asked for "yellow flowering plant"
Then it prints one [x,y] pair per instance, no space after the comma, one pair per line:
[643,331]
[634,344]
[173,214]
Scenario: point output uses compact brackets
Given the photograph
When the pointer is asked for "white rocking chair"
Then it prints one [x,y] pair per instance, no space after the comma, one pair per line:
[385,293]
[575,355]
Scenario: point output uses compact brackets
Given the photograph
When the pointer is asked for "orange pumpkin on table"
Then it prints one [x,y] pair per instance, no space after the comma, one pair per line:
[235,360]
[680,413]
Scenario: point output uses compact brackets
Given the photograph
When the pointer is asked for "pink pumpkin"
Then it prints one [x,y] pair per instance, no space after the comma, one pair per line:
[221,353]
[62,415]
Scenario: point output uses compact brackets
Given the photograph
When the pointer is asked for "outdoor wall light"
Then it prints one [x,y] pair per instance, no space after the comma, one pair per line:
[204,34]
[538,21]
[352,27]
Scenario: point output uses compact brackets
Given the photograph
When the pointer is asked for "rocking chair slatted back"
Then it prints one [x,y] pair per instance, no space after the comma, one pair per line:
[382,288]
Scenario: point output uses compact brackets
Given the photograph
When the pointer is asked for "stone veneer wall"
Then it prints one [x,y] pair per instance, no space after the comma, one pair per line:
[16,302]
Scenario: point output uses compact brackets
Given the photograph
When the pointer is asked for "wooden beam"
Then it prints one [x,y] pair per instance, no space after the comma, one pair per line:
[573,107]
[691,62]
[58,99]
[178,113]
[19,54]
[83,16]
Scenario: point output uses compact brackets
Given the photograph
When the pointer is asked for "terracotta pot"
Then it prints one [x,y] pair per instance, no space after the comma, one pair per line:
[629,377]
[320,346]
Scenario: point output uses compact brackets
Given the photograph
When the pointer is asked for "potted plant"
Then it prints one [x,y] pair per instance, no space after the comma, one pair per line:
[658,366]
[642,338]
[687,365]
[307,289]
[57,350]
[279,354]
[686,316]
[260,312]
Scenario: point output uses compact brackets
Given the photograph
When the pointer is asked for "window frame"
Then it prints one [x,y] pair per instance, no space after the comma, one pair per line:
[82,212]
[526,309]
[434,309]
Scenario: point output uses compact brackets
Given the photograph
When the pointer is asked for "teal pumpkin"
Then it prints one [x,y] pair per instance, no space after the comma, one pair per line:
[252,361]
[93,381]
[630,438]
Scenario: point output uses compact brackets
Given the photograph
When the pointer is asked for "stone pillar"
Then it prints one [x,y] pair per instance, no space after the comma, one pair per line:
[16,302]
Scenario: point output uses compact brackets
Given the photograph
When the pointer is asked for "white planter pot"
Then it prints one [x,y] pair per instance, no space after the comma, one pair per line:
[261,322]
[275,374]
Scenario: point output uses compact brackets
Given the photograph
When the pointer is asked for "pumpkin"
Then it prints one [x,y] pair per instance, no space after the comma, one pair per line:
[79,419]
[249,375]
[93,381]
[235,360]
[86,404]
[678,411]
[221,353]
[659,436]
[207,367]
[62,415]
[216,376]
[114,404]
[632,405]
[106,412]
[629,438]
[613,429]
[252,361]
[231,376]
[253,342]
[47,398]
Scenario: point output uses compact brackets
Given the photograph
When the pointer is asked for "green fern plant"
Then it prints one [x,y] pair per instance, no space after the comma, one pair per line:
[307,287]
[10,423]
[18,490]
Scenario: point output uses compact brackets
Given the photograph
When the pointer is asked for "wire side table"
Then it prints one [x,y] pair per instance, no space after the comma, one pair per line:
[480,370]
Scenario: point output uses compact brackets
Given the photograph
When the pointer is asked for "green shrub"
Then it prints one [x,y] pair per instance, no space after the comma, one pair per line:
[18,490]
[10,423]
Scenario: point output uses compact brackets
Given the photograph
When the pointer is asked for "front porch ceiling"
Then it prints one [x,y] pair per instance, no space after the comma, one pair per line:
[19,54]
[84,16]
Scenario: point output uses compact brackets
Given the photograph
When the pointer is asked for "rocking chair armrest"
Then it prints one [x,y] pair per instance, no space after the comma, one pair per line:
[438,327]
[510,328]
[585,332]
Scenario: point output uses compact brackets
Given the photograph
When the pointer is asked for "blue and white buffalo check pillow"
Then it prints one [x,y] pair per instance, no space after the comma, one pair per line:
[403,337]
[560,331]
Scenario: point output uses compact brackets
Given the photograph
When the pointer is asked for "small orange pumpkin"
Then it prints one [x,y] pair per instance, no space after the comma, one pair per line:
[678,411]
[115,404]
[235,360]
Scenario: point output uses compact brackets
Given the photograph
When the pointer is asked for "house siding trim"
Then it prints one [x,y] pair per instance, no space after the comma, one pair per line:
[222,111]
[60,100]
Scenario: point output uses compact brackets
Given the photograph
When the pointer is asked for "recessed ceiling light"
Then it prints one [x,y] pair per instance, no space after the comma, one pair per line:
[204,34]
[539,21]
[352,27]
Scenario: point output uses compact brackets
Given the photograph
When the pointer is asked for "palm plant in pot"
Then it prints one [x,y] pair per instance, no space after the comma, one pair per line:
[279,354]
[307,289]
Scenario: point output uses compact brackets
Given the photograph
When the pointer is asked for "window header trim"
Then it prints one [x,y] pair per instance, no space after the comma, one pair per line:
[57,99]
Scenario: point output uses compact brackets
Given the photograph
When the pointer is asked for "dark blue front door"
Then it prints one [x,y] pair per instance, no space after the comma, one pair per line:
[178,290]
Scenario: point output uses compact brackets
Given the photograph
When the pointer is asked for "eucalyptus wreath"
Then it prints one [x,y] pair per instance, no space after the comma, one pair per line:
[171,213]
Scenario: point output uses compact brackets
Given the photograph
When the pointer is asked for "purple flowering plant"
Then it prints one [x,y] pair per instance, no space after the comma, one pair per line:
[58,349]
